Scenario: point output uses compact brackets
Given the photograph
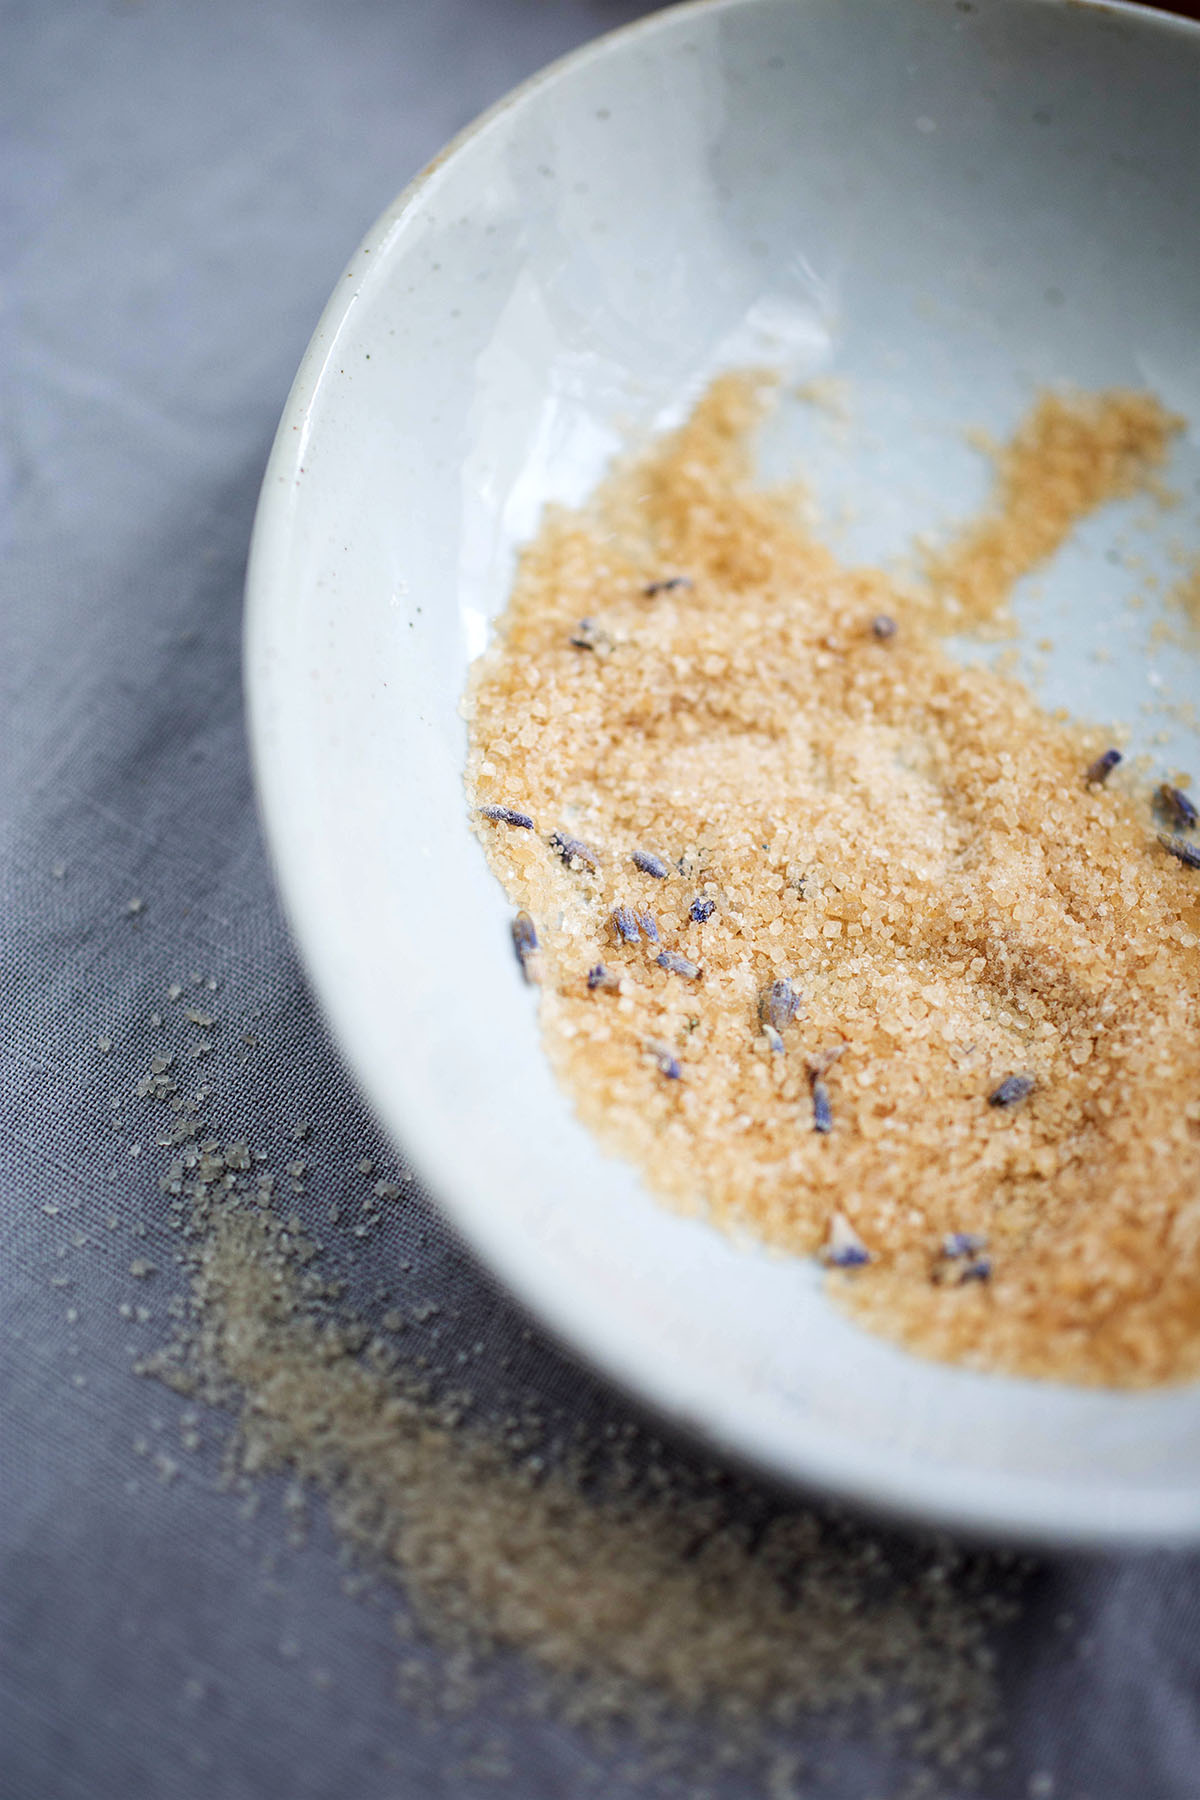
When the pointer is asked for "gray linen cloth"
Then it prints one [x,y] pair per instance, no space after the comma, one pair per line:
[181,185]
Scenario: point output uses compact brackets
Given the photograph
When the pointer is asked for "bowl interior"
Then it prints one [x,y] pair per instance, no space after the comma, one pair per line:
[943,205]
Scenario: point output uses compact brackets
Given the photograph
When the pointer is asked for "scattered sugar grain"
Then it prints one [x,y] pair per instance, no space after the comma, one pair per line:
[1073,453]
[1185,593]
[636,1592]
[640,1602]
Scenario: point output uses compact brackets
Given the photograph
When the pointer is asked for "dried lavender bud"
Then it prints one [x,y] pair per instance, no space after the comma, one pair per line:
[979,1270]
[1178,808]
[504,815]
[779,1004]
[626,926]
[649,925]
[822,1107]
[525,943]
[668,585]
[883,627]
[1179,847]
[821,1103]
[962,1243]
[573,849]
[600,977]
[665,1057]
[844,1249]
[1102,768]
[650,864]
[1011,1089]
[678,965]
[774,1041]
[587,635]
[701,909]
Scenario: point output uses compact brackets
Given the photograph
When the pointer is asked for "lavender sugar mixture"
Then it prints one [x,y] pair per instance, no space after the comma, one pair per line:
[785,788]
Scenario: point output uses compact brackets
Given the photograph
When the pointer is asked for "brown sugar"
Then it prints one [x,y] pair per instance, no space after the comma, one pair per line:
[636,1596]
[544,1555]
[1073,453]
[1185,594]
[912,844]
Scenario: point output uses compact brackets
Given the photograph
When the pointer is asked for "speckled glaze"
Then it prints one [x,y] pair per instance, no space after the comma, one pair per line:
[944,204]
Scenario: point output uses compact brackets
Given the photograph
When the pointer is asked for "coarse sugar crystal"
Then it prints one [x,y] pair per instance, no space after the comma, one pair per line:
[909,839]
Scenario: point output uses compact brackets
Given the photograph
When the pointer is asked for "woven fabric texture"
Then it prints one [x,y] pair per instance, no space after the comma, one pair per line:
[181,185]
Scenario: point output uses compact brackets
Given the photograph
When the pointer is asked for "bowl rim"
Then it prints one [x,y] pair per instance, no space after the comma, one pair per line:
[1041,1511]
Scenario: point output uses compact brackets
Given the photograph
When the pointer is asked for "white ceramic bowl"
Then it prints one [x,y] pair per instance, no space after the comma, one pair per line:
[945,204]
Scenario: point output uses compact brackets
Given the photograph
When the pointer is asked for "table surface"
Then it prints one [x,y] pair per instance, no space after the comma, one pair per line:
[182,184]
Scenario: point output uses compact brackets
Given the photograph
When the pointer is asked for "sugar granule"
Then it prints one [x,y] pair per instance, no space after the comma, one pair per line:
[643,1594]
[1073,452]
[914,844]
[1186,592]
[640,1596]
